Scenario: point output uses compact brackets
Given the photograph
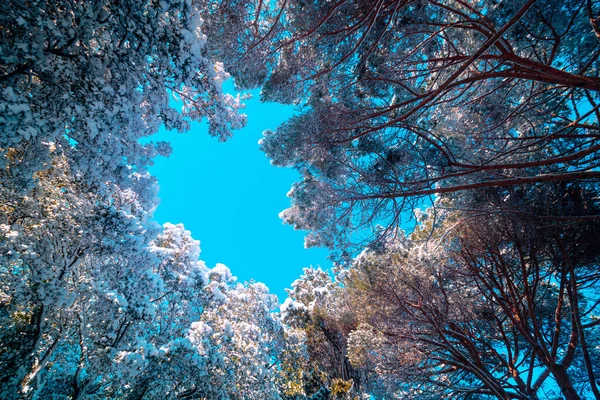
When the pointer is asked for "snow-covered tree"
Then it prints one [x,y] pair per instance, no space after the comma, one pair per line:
[98,301]
[403,100]
[497,305]
[87,80]
[76,273]
[318,308]
[247,336]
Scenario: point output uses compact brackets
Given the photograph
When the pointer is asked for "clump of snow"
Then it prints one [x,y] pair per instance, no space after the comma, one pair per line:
[290,305]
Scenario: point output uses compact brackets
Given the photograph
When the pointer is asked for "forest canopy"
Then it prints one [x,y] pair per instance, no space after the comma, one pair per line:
[449,159]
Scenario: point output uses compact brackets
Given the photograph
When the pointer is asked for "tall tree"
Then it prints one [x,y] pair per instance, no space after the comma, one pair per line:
[76,273]
[319,308]
[88,80]
[96,299]
[405,99]
[502,304]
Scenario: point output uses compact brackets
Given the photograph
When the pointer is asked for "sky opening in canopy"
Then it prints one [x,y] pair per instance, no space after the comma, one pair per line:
[229,196]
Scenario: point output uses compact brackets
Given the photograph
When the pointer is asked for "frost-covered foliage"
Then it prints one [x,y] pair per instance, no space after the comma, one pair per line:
[492,107]
[87,79]
[72,273]
[98,301]
[317,308]
[401,100]
[243,339]
[491,305]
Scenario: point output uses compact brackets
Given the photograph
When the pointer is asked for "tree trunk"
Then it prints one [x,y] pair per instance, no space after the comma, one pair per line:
[563,381]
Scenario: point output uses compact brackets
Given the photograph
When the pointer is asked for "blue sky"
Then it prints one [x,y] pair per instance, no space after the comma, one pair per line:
[229,196]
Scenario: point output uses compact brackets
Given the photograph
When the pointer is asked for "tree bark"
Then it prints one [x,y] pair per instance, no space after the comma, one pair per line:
[564,382]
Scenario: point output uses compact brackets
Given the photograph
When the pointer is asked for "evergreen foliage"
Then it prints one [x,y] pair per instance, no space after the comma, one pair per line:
[478,119]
